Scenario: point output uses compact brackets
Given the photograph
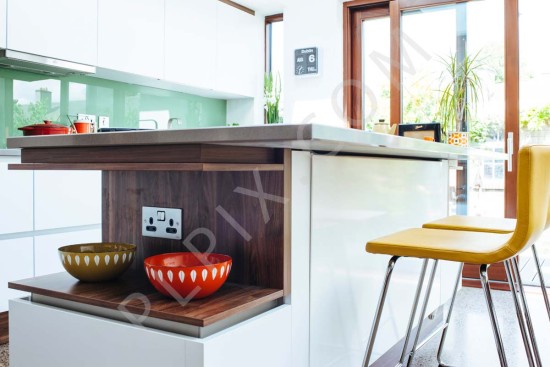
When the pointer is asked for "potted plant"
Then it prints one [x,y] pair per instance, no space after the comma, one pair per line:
[272,97]
[459,96]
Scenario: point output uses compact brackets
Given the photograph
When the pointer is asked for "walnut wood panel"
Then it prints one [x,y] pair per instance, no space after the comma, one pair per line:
[496,272]
[229,300]
[210,204]
[147,166]
[4,328]
[189,153]
[238,6]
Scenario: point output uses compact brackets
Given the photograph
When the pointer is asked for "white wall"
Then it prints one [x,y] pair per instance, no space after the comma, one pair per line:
[314,98]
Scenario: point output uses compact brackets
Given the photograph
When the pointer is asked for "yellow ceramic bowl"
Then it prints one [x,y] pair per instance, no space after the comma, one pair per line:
[97,262]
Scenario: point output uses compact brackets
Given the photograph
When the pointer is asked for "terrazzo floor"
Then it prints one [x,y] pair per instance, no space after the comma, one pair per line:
[4,358]
[470,340]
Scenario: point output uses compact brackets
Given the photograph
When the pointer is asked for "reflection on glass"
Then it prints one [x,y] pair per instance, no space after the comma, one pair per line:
[534,101]
[376,70]
[27,98]
[431,39]
[534,73]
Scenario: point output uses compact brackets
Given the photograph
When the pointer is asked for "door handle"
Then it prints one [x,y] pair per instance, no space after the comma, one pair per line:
[510,150]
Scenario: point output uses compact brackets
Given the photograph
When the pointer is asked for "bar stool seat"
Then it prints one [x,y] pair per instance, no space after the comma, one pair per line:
[475,224]
[469,247]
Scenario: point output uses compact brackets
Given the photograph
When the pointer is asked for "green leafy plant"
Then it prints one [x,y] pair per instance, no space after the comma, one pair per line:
[536,118]
[461,92]
[272,97]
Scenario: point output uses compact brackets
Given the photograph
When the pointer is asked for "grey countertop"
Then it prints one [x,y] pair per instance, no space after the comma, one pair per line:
[311,137]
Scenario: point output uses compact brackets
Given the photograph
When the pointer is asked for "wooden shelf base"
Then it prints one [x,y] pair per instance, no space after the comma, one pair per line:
[129,292]
[4,328]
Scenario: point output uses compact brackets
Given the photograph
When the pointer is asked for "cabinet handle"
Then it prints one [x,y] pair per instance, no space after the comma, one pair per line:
[510,149]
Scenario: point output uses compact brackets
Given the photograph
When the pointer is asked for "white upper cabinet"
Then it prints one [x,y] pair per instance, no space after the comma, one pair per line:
[239,60]
[131,36]
[3,25]
[190,35]
[63,29]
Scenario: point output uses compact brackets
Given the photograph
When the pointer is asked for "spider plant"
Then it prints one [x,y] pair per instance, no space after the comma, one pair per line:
[461,92]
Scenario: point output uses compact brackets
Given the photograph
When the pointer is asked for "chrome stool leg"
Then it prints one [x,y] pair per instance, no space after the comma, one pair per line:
[519,313]
[490,306]
[423,310]
[379,308]
[515,268]
[450,312]
[541,277]
[413,312]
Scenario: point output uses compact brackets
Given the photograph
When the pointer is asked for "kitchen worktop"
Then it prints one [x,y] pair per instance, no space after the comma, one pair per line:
[309,137]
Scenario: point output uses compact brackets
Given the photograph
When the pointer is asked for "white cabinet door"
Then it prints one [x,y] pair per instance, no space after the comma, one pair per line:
[46,258]
[64,29]
[190,31]
[239,61]
[16,200]
[131,36]
[3,25]
[353,200]
[66,198]
[15,264]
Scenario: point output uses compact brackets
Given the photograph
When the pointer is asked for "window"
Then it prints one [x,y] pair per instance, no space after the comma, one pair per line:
[274,68]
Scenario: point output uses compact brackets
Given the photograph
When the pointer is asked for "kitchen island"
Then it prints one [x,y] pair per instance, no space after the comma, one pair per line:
[293,205]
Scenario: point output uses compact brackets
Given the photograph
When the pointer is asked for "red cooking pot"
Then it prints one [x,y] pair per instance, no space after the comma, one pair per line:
[47,128]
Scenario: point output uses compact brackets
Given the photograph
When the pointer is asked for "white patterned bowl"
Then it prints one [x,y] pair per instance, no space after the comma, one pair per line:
[97,262]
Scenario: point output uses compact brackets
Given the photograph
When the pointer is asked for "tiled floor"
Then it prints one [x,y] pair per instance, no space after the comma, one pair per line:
[470,339]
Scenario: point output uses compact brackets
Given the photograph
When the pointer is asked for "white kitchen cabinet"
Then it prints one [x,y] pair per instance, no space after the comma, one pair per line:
[66,198]
[131,36]
[15,264]
[240,51]
[353,200]
[46,257]
[263,340]
[16,198]
[190,36]
[63,29]
[3,25]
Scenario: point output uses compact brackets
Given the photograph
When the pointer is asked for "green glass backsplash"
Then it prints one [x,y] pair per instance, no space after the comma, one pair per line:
[28,98]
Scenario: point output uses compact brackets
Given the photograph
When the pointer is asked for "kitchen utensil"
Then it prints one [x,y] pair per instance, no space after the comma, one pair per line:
[188,274]
[47,128]
[83,127]
[97,262]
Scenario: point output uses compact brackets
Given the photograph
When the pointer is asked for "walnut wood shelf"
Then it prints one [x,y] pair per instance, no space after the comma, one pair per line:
[230,300]
[198,167]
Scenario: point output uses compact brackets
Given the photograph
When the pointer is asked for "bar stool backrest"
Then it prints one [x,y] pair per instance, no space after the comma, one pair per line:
[533,197]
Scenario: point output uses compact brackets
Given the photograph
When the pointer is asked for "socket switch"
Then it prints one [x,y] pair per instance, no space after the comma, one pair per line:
[161,222]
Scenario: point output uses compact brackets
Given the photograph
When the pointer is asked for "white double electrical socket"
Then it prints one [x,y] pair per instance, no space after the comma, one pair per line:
[161,222]
[85,117]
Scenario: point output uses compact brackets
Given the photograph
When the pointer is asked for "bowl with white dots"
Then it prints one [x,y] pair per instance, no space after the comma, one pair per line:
[188,275]
[97,262]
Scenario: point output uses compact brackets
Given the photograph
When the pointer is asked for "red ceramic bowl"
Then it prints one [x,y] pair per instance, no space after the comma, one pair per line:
[187,274]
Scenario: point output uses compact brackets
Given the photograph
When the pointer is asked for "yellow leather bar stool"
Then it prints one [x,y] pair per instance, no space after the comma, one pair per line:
[479,248]
[491,225]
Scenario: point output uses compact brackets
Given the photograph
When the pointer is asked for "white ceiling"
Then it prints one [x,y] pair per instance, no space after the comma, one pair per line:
[264,7]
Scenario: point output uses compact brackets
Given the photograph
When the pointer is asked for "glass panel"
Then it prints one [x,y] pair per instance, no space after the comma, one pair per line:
[275,61]
[27,98]
[534,105]
[438,44]
[376,71]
